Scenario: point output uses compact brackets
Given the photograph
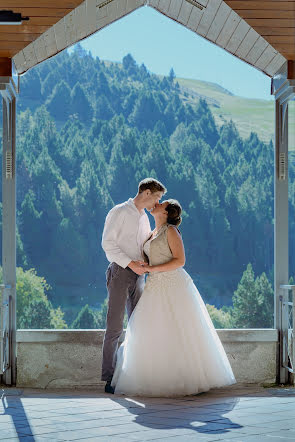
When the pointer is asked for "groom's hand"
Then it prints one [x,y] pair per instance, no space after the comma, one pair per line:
[137,267]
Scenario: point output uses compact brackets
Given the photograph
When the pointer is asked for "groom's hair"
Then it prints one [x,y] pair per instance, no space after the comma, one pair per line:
[151,184]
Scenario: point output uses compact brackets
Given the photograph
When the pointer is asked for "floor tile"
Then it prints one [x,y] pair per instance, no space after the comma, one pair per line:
[246,414]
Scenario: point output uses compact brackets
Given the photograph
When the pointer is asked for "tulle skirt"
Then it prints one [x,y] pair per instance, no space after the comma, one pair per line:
[171,347]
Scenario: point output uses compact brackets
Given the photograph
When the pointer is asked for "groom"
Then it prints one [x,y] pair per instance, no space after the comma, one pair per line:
[126,229]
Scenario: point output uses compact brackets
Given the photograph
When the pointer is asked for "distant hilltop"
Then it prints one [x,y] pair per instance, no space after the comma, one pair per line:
[248,114]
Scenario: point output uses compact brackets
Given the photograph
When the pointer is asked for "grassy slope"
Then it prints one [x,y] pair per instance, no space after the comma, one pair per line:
[248,114]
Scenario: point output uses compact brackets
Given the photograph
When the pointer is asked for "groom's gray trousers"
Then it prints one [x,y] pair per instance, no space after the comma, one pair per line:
[124,289]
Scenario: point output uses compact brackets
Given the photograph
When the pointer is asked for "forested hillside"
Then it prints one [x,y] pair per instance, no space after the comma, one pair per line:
[88,131]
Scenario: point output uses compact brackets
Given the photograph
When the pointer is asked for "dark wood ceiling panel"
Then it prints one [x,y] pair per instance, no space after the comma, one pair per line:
[19,37]
[273,14]
[263,5]
[266,31]
[41,21]
[286,39]
[52,4]
[43,12]
[23,29]
[271,22]
[7,54]
[11,45]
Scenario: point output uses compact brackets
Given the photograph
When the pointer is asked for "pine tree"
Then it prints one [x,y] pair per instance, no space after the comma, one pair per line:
[129,64]
[253,301]
[103,109]
[85,319]
[172,75]
[102,85]
[146,112]
[36,315]
[102,314]
[31,227]
[79,50]
[31,87]
[59,103]
[80,104]
[49,82]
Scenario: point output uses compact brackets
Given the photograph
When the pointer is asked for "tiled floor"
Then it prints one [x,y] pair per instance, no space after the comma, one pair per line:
[247,414]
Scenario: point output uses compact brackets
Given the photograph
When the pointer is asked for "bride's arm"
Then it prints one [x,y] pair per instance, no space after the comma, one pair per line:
[177,249]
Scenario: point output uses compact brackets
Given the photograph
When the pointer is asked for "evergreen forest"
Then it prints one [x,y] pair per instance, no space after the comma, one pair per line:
[87,132]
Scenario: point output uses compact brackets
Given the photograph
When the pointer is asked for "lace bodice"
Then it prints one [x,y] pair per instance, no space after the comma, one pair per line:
[157,248]
[146,247]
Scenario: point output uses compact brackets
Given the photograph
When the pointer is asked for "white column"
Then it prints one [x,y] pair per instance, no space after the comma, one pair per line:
[283,88]
[9,222]
[281,234]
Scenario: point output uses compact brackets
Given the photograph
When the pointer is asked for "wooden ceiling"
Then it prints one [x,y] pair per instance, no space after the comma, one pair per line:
[268,44]
[274,20]
[42,13]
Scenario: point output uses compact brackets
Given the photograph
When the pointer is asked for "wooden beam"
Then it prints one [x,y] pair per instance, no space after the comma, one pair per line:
[272,22]
[284,47]
[19,37]
[13,45]
[23,29]
[265,31]
[42,12]
[7,54]
[40,21]
[5,67]
[269,5]
[288,39]
[260,13]
[54,4]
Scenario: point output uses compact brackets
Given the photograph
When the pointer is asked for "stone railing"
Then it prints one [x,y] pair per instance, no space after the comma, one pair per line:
[72,358]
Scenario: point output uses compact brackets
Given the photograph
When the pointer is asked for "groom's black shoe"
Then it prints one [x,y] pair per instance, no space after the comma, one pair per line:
[108,388]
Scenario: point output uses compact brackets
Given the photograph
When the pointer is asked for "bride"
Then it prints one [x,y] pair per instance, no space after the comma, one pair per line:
[171,347]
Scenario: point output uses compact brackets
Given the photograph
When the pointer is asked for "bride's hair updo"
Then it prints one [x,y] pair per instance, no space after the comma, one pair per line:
[174,210]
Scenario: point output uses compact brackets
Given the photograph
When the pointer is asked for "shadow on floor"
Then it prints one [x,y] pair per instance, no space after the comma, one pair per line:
[203,413]
[190,414]
[11,405]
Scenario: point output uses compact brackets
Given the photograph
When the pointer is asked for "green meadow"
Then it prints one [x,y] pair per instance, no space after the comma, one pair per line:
[249,115]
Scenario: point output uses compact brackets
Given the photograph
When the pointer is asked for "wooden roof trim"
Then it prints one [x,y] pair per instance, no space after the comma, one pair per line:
[224,27]
[81,22]
[217,23]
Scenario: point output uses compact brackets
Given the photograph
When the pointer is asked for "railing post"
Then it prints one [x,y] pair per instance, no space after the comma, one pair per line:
[287,338]
[5,338]
[293,333]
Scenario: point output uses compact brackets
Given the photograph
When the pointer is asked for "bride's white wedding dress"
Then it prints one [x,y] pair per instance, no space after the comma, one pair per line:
[171,347]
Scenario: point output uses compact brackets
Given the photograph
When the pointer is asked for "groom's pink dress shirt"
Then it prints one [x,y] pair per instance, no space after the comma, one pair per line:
[125,231]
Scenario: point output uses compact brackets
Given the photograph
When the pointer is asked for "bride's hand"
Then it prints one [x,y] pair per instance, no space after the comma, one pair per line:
[147,268]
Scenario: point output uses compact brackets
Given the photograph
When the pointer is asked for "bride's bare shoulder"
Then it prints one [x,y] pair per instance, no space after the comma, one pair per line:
[172,228]
[173,233]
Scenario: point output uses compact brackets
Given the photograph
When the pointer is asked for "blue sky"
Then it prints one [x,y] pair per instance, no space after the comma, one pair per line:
[160,43]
